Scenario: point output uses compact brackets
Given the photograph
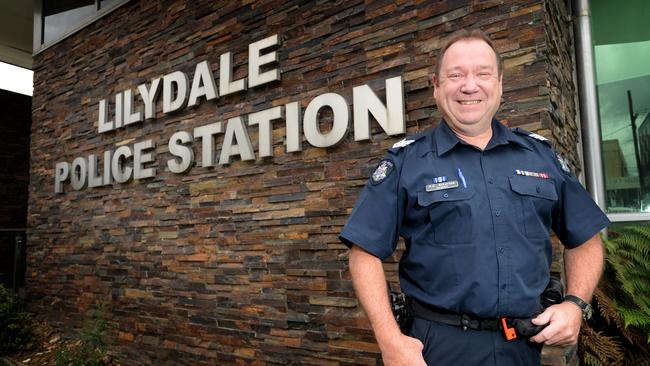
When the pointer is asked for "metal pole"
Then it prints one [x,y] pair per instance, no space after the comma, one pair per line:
[635,138]
[588,102]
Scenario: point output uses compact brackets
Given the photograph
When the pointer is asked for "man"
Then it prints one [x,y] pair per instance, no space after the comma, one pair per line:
[474,202]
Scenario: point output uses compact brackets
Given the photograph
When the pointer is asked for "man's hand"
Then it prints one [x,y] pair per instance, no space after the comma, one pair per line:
[583,266]
[564,322]
[402,351]
[370,284]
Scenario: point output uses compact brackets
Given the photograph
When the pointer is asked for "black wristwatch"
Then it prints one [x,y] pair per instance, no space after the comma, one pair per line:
[584,306]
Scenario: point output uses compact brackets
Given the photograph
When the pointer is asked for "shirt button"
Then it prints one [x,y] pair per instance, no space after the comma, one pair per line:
[490,180]
[497,213]
[539,190]
[445,195]
[503,287]
[501,250]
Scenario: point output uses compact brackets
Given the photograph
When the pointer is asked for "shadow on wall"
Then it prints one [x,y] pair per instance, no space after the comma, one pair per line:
[15,124]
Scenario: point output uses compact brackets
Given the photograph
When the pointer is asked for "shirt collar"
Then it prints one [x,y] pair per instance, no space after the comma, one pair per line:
[445,139]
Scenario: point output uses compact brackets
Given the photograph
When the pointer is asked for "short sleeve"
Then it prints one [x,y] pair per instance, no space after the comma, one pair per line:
[374,222]
[577,218]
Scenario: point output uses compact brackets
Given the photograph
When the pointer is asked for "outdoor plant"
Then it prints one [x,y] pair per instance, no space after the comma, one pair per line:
[619,332]
[91,348]
[15,323]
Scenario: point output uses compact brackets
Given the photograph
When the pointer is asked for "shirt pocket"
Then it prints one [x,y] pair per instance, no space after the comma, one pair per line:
[536,198]
[450,214]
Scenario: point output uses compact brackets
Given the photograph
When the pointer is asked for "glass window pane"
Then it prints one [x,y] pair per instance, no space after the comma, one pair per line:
[61,16]
[621,50]
[103,4]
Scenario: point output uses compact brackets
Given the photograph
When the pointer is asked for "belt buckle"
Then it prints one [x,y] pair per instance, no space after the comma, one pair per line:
[509,333]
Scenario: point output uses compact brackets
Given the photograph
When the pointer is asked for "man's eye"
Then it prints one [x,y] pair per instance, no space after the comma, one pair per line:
[484,75]
[454,76]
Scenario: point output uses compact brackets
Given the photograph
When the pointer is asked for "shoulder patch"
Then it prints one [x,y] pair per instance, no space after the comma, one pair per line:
[405,142]
[533,135]
[537,137]
[383,170]
[564,164]
[402,143]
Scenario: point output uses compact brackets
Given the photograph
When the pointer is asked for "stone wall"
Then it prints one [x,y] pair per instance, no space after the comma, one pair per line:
[562,90]
[560,124]
[239,263]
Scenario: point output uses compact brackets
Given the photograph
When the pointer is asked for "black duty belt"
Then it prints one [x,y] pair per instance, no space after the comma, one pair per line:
[465,321]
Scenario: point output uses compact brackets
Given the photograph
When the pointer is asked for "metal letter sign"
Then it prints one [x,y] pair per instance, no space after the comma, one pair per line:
[124,163]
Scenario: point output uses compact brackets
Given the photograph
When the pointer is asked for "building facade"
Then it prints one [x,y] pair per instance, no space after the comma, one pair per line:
[192,162]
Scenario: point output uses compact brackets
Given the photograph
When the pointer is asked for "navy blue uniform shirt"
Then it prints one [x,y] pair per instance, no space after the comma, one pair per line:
[475,223]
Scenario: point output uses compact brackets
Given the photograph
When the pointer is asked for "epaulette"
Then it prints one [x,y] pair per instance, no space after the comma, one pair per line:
[533,135]
[405,142]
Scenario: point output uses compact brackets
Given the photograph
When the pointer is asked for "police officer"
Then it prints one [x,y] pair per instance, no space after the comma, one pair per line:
[474,202]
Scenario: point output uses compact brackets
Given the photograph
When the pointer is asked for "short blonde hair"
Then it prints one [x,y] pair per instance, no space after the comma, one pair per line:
[465,34]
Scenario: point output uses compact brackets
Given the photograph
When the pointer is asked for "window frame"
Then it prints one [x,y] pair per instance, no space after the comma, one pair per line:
[629,217]
[589,113]
[40,45]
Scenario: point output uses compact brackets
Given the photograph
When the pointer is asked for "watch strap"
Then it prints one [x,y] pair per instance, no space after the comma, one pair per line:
[583,305]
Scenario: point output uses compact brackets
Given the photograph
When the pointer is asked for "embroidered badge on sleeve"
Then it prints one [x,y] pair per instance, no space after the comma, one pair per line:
[382,171]
[563,163]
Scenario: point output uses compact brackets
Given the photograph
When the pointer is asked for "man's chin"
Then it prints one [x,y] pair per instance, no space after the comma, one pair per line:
[470,122]
[469,125]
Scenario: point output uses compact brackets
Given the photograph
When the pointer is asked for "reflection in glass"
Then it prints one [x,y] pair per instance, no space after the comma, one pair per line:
[103,4]
[62,16]
[624,101]
[622,51]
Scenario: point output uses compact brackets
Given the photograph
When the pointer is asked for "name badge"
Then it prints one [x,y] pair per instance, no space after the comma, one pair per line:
[441,186]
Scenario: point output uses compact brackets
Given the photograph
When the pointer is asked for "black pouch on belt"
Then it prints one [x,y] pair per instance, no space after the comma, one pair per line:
[552,295]
[401,310]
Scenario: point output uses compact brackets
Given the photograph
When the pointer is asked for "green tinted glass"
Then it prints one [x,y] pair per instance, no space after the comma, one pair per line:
[622,50]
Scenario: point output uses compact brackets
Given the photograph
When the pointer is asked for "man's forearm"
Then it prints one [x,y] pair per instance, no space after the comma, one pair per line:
[583,267]
[370,285]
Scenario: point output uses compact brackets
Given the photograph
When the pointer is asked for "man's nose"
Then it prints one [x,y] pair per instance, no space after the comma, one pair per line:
[469,84]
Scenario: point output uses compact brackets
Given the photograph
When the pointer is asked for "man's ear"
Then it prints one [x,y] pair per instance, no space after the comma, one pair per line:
[501,84]
[434,80]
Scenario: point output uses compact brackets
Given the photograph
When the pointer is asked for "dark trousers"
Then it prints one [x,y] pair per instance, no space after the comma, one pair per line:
[451,345]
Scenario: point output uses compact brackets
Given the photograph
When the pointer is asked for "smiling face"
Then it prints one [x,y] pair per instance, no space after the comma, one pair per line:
[468,88]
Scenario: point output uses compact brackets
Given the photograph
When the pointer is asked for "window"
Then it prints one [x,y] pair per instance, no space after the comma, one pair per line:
[60,17]
[55,20]
[622,49]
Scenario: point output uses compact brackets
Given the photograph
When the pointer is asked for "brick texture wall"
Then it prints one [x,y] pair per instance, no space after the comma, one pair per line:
[560,122]
[240,264]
